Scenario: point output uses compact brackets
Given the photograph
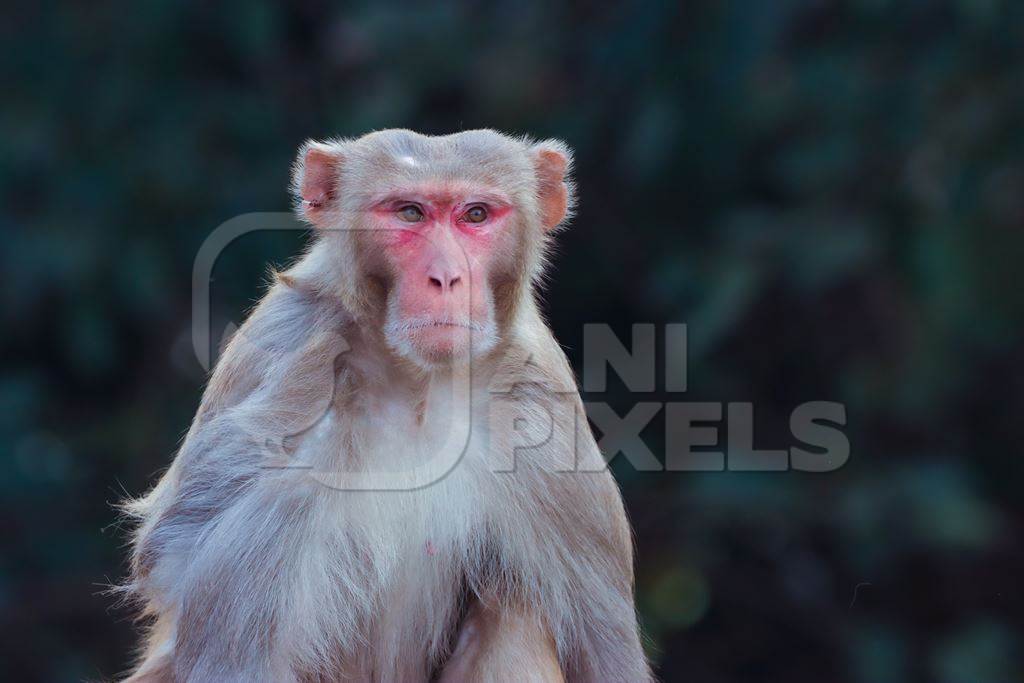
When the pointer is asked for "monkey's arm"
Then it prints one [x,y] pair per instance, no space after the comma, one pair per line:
[497,645]
[218,537]
[566,533]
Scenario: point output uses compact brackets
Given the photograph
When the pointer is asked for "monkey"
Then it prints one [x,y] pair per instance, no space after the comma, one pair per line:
[390,476]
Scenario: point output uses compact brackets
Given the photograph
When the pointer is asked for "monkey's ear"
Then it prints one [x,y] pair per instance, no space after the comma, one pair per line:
[315,179]
[552,160]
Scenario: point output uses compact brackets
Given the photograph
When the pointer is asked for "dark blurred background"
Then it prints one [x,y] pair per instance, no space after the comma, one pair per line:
[830,194]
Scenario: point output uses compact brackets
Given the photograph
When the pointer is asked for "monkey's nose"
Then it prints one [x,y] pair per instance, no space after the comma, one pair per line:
[442,281]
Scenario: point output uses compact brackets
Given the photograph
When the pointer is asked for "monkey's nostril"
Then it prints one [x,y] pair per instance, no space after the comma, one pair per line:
[434,282]
[454,281]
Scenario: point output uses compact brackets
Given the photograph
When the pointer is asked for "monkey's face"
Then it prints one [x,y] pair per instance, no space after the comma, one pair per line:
[449,231]
[442,244]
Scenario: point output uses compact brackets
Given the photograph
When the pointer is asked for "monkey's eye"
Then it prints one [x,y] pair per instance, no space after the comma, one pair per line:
[475,214]
[410,213]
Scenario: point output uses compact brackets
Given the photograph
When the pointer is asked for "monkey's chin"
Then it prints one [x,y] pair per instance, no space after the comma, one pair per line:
[442,345]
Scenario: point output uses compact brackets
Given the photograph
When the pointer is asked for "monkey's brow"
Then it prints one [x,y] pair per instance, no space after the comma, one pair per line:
[469,195]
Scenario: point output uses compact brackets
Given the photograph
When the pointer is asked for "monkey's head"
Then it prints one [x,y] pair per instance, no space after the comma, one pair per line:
[435,240]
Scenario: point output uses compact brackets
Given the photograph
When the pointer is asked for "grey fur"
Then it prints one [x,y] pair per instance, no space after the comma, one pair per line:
[250,569]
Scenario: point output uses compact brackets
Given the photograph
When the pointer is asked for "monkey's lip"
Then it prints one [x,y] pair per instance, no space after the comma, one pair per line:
[443,324]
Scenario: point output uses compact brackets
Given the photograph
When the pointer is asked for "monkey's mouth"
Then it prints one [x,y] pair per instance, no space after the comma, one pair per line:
[440,335]
[444,324]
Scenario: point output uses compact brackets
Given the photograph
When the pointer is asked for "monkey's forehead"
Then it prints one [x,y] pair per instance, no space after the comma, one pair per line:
[467,154]
[467,141]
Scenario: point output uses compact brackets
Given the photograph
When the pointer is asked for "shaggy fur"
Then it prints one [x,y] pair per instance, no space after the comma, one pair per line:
[249,561]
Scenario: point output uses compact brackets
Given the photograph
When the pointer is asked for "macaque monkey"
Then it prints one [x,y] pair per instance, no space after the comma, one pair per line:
[390,476]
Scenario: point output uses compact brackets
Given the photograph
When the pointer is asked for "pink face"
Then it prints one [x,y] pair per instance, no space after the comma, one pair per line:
[441,242]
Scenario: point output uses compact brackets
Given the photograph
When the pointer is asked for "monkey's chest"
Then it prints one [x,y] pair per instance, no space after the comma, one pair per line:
[408,489]
[421,549]
[405,486]
[412,536]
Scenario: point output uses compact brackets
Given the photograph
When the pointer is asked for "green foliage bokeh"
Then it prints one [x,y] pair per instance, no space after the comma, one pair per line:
[830,195]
